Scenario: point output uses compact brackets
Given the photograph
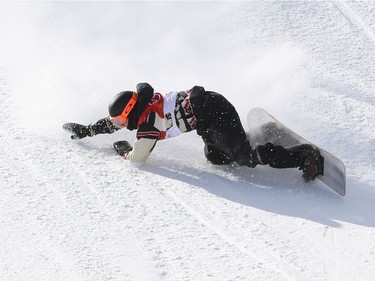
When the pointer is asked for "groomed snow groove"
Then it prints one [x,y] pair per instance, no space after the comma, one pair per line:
[354,19]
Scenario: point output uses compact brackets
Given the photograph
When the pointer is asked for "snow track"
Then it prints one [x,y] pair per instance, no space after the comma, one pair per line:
[67,219]
[257,256]
[354,19]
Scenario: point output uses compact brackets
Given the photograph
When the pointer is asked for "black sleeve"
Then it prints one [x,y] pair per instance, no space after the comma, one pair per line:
[145,89]
[198,99]
[103,126]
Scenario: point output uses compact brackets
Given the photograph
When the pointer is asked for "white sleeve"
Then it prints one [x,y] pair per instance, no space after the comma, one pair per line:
[141,150]
[148,134]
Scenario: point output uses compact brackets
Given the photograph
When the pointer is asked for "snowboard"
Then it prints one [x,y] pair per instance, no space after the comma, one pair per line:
[263,128]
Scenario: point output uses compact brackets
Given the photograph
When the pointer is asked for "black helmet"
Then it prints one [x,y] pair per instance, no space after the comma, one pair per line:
[120,101]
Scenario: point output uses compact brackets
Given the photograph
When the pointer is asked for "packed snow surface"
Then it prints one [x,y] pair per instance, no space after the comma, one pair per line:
[74,210]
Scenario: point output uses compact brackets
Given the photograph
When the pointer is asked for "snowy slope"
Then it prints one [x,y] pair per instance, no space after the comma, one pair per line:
[73,210]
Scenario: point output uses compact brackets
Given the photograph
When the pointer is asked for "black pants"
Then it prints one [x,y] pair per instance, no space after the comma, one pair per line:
[223,134]
[225,139]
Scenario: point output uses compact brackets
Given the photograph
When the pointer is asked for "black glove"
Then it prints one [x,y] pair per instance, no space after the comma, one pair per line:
[122,147]
[79,131]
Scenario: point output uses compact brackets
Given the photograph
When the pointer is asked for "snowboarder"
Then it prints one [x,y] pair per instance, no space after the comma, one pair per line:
[156,117]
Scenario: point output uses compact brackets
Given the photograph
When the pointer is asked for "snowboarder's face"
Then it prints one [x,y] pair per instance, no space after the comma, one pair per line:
[122,120]
[119,122]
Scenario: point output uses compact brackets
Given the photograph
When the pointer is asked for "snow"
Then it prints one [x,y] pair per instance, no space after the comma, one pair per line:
[74,210]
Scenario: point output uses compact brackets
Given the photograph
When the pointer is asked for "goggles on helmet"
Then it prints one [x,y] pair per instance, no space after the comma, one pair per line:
[122,119]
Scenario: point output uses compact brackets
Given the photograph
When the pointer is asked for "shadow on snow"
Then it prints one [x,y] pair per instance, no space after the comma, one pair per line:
[278,191]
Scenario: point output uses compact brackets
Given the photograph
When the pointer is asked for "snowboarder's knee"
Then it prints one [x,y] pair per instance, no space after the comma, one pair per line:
[216,156]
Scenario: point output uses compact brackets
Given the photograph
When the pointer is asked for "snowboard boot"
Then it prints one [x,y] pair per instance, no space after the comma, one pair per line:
[312,165]
[303,156]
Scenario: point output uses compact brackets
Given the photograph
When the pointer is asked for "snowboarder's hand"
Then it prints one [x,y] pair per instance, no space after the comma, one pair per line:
[79,131]
[122,147]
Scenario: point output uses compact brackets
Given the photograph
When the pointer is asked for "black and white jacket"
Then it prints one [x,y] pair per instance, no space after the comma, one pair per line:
[161,118]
